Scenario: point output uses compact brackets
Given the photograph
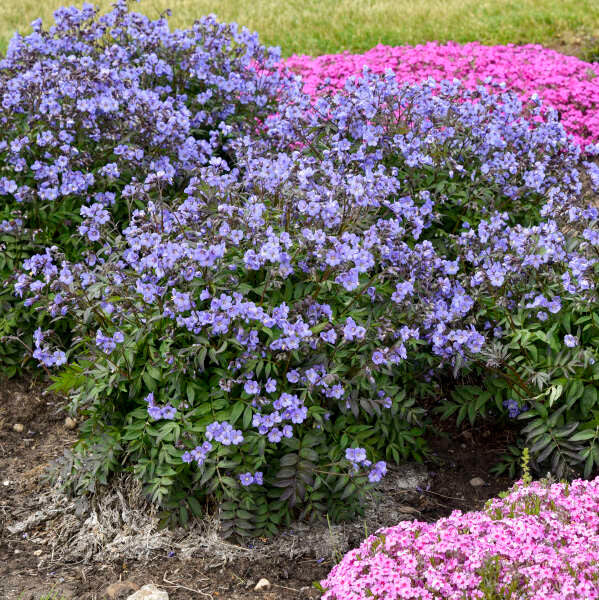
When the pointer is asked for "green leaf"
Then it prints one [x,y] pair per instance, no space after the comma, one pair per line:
[555,393]
[183,515]
[236,411]
[244,514]
[309,454]
[150,383]
[553,342]
[566,430]
[286,473]
[548,450]
[589,399]
[576,390]
[553,419]
[349,490]
[247,416]
[191,392]
[154,372]
[311,439]
[541,443]
[289,459]
[229,482]
[588,466]
[584,435]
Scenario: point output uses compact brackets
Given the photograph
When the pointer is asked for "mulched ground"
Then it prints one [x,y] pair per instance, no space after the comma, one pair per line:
[24,456]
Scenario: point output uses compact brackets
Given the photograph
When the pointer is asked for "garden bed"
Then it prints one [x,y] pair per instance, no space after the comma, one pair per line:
[291,562]
[287,321]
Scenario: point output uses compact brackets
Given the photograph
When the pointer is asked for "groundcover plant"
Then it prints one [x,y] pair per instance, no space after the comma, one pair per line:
[256,338]
[566,83]
[539,542]
[96,104]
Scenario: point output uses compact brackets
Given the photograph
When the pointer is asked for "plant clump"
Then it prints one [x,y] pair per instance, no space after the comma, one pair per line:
[538,542]
[258,336]
[97,105]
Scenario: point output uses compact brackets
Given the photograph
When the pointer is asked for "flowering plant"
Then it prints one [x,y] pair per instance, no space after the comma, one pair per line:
[526,257]
[538,542]
[99,104]
[251,338]
[542,370]
[566,83]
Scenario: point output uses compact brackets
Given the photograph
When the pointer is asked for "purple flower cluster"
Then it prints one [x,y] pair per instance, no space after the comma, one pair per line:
[108,343]
[43,353]
[247,479]
[513,407]
[571,341]
[97,109]
[357,458]
[157,413]
[300,276]
[287,407]
[224,434]
[378,471]
[199,454]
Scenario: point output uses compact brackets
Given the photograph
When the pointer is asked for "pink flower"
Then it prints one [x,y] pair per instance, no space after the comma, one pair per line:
[565,83]
[542,539]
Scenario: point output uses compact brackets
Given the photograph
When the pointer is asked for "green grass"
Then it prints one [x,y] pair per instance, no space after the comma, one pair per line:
[327,26]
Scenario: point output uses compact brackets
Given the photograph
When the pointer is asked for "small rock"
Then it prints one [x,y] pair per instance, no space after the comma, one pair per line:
[410,477]
[18,427]
[70,423]
[263,584]
[477,482]
[149,592]
[120,589]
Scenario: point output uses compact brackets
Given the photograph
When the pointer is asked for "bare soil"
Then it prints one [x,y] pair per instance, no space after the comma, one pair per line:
[32,563]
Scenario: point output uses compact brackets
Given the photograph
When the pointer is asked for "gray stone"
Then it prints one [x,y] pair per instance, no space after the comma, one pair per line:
[149,592]
[477,482]
[408,477]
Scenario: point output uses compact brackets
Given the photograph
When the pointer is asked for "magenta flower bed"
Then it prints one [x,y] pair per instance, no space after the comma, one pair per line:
[564,82]
[539,543]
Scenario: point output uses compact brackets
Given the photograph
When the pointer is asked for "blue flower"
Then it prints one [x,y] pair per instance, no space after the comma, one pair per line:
[377,472]
[246,479]
[571,341]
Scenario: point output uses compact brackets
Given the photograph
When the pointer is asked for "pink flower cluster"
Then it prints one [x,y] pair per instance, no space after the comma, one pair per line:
[566,83]
[541,542]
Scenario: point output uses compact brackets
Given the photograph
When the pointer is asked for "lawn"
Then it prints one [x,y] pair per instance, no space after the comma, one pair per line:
[330,26]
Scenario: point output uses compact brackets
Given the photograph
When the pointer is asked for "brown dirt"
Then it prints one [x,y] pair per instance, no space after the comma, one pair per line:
[27,571]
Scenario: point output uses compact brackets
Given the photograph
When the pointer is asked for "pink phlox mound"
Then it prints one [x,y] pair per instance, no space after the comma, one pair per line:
[565,83]
[541,542]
